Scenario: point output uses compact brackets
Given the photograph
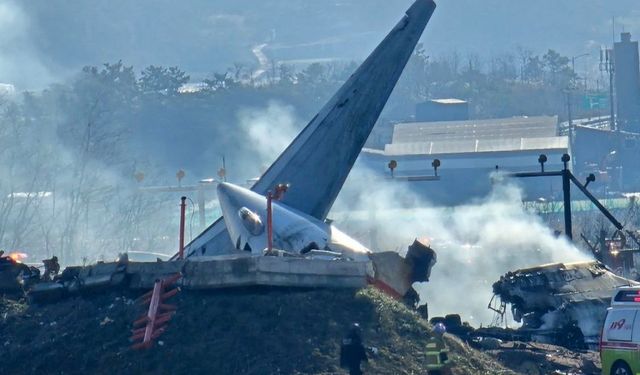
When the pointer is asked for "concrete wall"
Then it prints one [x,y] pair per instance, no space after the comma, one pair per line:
[249,271]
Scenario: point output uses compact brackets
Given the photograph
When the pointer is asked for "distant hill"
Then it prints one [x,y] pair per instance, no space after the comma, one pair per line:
[41,40]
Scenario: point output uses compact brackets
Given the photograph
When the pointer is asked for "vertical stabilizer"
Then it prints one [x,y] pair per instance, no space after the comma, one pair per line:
[317,162]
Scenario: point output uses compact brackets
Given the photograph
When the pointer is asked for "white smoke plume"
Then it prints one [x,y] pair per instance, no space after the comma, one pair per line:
[475,243]
[269,131]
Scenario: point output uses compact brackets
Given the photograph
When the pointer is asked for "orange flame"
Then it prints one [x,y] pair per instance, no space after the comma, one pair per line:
[17,257]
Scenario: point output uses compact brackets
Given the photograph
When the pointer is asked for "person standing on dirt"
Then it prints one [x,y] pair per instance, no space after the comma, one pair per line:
[437,352]
[51,268]
[352,352]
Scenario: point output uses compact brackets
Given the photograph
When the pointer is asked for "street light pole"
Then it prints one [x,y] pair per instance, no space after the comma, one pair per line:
[573,61]
[569,91]
[607,65]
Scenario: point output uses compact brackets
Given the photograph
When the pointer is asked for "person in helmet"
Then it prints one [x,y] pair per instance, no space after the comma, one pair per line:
[437,351]
[439,329]
[352,351]
[51,268]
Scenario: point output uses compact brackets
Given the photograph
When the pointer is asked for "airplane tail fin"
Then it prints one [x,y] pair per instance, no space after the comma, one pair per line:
[318,161]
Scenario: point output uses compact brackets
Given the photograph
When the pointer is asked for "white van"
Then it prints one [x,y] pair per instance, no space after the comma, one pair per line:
[620,338]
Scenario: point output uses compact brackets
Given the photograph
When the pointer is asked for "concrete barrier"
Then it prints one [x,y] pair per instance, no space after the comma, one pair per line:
[213,273]
[234,271]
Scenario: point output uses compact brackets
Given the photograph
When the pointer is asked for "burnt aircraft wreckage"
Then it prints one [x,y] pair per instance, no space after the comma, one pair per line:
[317,162]
[315,165]
[560,303]
[296,234]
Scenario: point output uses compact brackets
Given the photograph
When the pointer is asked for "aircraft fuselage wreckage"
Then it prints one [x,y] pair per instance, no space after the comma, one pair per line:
[561,303]
[313,253]
[296,234]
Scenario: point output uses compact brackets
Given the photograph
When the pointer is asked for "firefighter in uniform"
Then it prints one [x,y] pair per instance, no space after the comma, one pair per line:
[437,352]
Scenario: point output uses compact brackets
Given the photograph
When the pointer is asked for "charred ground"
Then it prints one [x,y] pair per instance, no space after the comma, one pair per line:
[257,331]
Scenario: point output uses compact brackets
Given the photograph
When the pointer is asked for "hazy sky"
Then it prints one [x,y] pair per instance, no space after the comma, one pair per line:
[44,40]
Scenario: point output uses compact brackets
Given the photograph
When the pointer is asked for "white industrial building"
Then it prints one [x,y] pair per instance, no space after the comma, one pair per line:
[469,151]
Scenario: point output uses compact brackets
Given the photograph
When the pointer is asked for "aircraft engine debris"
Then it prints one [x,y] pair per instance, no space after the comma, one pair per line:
[15,275]
[560,303]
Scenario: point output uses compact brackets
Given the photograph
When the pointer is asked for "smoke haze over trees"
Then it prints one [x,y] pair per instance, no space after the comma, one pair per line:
[75,147]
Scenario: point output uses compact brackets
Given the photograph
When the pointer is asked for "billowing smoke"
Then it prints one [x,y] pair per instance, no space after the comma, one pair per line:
[67,187]
[270,130]
[475,243]
[72,189]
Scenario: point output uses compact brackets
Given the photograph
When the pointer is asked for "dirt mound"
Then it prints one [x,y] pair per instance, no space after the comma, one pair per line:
[257,331]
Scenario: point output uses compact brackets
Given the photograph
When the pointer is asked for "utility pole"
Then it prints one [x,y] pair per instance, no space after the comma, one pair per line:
[183,206]
[607,65]
[570,132]
[573,61]
[611,70]
[569,92]
[566,194]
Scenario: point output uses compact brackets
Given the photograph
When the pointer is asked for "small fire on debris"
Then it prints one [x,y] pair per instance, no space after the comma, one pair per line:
[17,257]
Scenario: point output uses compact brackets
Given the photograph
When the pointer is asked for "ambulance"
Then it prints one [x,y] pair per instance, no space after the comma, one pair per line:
[620,337]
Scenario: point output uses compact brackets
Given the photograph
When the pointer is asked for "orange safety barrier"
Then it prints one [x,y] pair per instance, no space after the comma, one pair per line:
[148,327]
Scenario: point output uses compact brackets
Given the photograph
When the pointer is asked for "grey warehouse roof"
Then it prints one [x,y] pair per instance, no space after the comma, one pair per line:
[478,145]
[472,130]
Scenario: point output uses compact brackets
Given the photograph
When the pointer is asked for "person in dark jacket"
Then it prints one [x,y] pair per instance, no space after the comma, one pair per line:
[51,268]
[352,352]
